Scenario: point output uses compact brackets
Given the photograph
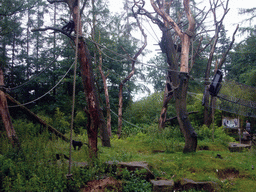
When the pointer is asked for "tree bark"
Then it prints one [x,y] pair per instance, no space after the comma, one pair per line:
[4,111]
[88,81]
[95,116]
[180,83]
[218,25]
[182,115]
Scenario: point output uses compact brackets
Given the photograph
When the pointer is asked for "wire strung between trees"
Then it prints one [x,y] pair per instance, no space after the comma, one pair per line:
[47,91]
[126,121]
[37,75]
[127,58]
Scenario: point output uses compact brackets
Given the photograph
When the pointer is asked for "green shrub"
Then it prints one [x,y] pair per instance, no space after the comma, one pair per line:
[147,110]
[79,122]
[60,122]
[205,133]
[135,181]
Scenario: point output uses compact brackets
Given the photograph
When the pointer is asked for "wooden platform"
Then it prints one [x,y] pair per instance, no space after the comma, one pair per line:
[237,147]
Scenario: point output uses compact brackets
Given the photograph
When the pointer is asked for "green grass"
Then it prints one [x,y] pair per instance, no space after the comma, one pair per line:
[36,169]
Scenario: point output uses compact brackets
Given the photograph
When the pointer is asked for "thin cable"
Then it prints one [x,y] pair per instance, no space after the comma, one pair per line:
[150,33]
[125,56]
[158,40]
[37,75]
[127,121]
[46,92]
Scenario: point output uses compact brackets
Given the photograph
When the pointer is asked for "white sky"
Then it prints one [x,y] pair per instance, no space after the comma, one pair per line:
[230,21]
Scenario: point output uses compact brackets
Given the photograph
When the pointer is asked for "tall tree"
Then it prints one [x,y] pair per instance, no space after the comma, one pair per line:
[128,77]
[178,81]
[93,107]
[208,112]
[183,29]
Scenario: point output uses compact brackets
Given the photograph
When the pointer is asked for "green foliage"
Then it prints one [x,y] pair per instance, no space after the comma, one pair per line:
[79,122]
[244,62]
[32,169]
[60,122]
[135,182]
[25,128]
[205,133]
[146,110]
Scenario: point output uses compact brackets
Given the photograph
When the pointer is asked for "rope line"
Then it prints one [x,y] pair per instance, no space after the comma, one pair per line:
[46,92]
[126,121]
[37,75]
[158,40]
[128,58]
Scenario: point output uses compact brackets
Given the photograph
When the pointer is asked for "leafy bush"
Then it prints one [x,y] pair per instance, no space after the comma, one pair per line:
[79,122]
[146,110]
[134,181]
[25,128]
[205,133]
[60,122]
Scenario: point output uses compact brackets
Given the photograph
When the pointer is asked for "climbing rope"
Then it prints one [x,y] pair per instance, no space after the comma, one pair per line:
[23,104]
[37,75]
[74,91]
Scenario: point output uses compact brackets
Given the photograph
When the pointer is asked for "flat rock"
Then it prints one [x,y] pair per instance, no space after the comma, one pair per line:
[237,147]
[210,186]
[133,166]
[162,185]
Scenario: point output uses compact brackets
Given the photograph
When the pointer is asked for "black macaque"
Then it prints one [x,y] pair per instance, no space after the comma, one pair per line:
[78,144]
[69,27]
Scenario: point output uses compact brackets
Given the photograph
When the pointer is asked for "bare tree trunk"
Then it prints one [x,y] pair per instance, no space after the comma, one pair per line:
[120,109]
[180,82]
[120,94]
[162,119]
[167,47]
[88,81]
[182,115]
[218,24]
[11,134]
[105,140]
[168,94]
[104,79]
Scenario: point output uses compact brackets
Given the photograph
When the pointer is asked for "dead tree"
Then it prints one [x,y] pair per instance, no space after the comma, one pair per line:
[120,106]
[208,111]
[4,111]
[86,69]
[178,80]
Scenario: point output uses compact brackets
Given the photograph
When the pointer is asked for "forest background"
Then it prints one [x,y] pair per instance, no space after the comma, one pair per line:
[35,62]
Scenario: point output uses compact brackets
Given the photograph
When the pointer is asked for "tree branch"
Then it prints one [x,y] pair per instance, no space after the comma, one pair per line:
[167,18]
[223,59]
[82,9]
[54,29]
[57,1]
[143,11]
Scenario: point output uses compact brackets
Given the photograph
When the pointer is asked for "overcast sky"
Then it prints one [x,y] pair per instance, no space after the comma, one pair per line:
[230,21]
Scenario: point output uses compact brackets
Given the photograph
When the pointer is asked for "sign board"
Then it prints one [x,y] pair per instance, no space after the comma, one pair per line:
[230,122]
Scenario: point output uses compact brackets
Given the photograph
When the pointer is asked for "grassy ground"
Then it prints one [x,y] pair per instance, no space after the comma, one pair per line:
[36,169]
[234,171]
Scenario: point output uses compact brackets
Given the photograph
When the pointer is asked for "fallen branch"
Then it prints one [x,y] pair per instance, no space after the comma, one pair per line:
[36,118]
